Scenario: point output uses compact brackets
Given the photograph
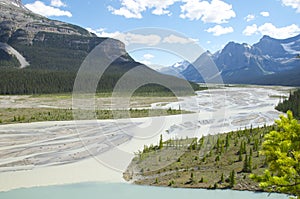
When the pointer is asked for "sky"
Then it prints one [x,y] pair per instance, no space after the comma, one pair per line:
[210,23]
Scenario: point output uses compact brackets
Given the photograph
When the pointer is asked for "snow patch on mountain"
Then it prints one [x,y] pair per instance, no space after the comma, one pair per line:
[10,50]
[288,47]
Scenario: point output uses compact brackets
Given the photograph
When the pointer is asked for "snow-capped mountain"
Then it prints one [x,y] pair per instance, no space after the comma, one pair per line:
[181,66]
[279,48]
[244,63]
[176,69]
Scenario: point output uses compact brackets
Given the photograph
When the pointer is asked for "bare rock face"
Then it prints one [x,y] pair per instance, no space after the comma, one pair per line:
[15,18]
[26,32]
[13,3]
[18,24]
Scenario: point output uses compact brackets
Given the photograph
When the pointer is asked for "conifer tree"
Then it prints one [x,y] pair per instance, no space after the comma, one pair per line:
[160,142]
[232,179]
[282,150]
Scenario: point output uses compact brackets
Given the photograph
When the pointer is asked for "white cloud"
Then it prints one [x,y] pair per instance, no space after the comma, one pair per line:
[128,38]
[292,3]
[173,39]
[148,56]
[58,3]
[134,8]
[215,12]
[279,33]
[265,14]
[220,30]
[146,59]
[150,39]
[47,11]
[146,62]
[273,31]
[249,17]
[101,33]
[125,12]
[250,30]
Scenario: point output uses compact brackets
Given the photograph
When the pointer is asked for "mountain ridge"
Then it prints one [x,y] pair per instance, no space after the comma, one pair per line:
[269,59]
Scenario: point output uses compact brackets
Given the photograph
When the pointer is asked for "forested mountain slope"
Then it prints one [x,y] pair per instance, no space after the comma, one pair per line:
[53,51]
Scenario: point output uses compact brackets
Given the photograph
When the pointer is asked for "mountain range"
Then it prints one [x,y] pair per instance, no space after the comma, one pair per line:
[270,61]
[39,55]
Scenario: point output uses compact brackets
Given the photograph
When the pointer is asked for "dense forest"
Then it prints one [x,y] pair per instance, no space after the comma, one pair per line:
[7,60]
[29,81]
[292,103]
[56,58]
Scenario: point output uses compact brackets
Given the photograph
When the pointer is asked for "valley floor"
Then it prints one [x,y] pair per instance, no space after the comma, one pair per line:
[50,153]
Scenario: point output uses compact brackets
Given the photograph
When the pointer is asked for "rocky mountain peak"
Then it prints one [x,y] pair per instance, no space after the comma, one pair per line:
[16,21]
[22,29]
[16,3]
[271,47]
[233,48]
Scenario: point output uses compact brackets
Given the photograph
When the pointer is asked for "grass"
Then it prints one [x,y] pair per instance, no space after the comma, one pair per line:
[201,163]
[109,94]
[26,115]
[64,101]
[53,96]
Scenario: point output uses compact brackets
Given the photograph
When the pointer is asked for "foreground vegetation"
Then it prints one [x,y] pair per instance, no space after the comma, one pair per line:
[259,159]
[25,115]
[214,161]
[282,150]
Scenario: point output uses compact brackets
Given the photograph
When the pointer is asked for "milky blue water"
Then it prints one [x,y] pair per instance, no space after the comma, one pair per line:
[127,191]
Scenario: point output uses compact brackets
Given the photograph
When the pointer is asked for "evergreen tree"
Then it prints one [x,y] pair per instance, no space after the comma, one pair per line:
[250,163]
[245,148]
[241,151]
[218,145]
[227,141]
[161,142]
[222,178]
[232,179]
[246,164]
[282,150]
[240,157]
[192,179]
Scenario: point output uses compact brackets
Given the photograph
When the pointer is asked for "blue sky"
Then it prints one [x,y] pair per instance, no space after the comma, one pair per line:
[211,23]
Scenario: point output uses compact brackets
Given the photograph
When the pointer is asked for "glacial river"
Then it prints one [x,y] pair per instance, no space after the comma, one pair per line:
[127,191]
[38,156]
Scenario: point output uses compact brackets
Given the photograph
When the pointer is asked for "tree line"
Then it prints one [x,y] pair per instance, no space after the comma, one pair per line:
[292,103]
[31,81]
